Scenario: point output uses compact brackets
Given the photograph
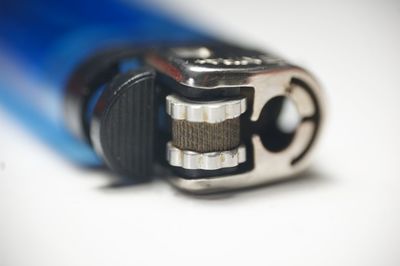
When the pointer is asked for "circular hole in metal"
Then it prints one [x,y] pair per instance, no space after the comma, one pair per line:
[277,124]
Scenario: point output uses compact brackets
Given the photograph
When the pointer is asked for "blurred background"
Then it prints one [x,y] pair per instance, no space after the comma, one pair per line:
[347,212]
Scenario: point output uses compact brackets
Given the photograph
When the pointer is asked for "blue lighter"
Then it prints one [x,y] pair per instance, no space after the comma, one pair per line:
[149,96]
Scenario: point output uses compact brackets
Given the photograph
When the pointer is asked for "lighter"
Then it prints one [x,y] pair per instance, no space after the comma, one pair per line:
[161,99]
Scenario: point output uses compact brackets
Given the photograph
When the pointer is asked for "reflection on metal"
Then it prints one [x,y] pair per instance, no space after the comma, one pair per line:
[226,67]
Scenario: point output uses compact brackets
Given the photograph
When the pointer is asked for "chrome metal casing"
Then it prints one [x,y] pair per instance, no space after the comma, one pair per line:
[222,66]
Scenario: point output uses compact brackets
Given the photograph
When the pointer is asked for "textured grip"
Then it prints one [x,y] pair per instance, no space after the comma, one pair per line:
[206,137]
[126,128]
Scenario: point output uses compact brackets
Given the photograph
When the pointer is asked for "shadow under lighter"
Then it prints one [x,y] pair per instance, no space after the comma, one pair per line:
[152,97]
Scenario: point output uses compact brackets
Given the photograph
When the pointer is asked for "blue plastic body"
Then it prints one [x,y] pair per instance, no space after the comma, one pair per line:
[42,42]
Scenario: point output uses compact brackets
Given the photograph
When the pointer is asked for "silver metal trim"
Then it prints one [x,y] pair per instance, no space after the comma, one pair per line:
[205,161]
[272,78]
[204,111]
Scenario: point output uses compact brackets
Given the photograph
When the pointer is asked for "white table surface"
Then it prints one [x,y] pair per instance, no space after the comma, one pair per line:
[347,212]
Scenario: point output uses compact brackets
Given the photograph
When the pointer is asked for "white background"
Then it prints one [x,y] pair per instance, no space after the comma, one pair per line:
[347,212]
